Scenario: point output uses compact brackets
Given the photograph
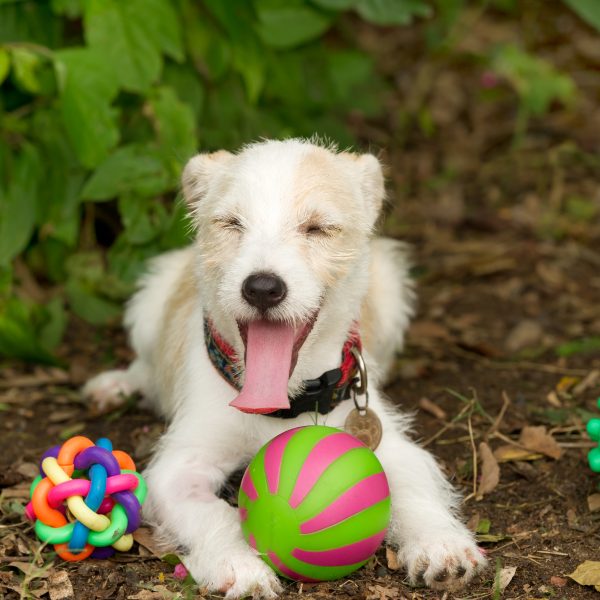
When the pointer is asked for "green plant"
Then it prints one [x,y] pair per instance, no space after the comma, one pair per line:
[101,103]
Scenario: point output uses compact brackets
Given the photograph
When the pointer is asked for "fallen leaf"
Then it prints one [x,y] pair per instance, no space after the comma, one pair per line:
[60,586]
[553,399]
[158,592]
[492,538]
[380,592]
[514,453]
[473,522]
[433,409]
[557,581]
[587,382]
[391,556]
[593,502]
[538,440]
[587,573]
[566,383]
[483,526]
[143,536]
[525,334]
[490,471]
[30,569]
[503,578]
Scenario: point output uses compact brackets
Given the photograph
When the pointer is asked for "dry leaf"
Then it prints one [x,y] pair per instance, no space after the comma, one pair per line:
[593,502]
[380,592]
[525,334]
[553,399]
[587,382]
[514,453]
[433,409]
[30,569]
[503,578]
[587,573]
[490,471]
[538,440]
[558,581]
[391,556]
[59,586]
[143,536]
[158,592]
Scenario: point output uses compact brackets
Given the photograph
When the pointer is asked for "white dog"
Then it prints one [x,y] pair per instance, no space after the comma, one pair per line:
[282,277]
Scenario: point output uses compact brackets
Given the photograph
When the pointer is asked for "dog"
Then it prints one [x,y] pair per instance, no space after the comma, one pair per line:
[283,277]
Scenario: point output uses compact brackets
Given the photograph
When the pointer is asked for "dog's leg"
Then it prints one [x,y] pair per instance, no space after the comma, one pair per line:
[182,483]
[112,388]
[435,547]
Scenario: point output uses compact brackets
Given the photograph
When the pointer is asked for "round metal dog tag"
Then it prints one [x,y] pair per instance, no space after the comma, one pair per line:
[365,425]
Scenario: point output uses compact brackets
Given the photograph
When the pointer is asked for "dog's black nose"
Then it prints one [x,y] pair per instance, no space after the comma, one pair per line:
[264,290]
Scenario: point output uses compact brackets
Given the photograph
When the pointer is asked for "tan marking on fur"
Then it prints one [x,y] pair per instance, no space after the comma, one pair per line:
[319,178]
[173,336]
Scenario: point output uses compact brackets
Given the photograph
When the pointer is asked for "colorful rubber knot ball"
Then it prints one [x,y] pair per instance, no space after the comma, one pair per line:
[87,499]
[314,503]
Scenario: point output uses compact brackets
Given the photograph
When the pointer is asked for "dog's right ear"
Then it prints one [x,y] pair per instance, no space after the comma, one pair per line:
[198,172]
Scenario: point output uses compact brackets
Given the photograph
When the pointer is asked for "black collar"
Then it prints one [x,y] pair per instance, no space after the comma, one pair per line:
[320,395]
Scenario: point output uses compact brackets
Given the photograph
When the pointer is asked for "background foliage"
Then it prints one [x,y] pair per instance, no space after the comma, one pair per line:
[102,102]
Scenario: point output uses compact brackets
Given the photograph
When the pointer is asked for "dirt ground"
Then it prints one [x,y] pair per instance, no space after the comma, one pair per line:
[506,249]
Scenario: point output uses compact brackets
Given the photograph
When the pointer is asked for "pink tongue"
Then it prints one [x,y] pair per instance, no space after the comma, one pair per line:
[268,361]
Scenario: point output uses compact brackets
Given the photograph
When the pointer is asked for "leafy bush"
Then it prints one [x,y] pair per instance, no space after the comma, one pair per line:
[102,101]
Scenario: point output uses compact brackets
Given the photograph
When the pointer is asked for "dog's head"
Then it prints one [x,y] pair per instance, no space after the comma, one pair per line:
[279,226]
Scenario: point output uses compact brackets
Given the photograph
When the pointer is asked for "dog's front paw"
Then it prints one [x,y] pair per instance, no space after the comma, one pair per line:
[237,575]
[108,390]
[442,562]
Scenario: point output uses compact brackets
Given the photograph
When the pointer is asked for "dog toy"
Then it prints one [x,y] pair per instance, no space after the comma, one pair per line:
[593,429]
[315,503]
[87,499]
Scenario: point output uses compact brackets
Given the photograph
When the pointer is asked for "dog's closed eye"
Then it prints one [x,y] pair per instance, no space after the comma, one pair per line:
[230,222]
[321,229]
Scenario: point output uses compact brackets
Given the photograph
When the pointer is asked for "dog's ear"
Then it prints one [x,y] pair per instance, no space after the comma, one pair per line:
[198,172]
[370,174]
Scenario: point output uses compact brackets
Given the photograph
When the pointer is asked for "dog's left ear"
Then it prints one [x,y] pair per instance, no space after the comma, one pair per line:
[199,172]
[370,174]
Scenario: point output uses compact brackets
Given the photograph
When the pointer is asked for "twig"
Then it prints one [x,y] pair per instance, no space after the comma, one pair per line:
[521,365]
[448,425]
[498,419]
[474,454]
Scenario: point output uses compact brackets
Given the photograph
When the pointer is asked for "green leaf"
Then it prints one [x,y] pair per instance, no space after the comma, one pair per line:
[69,8]
[188,85]
[4,64]
[535,80]
[335,4]
[587,345]
[132,35]
[392,12]
[26,65]
[286,24]
[175,126]
[248,55]
[88,87]
[588,10]
[18,205]
[143,219]
[88,305]
[178,231]
[130,169]
[19,324]
[52,332]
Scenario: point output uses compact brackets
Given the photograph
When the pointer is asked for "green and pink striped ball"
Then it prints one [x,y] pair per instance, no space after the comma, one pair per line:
[315,503]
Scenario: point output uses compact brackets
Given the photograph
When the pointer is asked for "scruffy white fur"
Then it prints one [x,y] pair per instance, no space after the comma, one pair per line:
[253,211]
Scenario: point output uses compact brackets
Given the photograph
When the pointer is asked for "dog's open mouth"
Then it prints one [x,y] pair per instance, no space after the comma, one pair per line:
[271,353]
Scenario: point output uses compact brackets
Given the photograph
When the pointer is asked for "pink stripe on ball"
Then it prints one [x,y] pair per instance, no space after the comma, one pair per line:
[247,486]
[342,556]
[321,456]
[365,493]
[287,571]
[273,456]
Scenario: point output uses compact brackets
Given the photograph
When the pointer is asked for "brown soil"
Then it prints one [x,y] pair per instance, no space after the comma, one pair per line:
[507,270]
